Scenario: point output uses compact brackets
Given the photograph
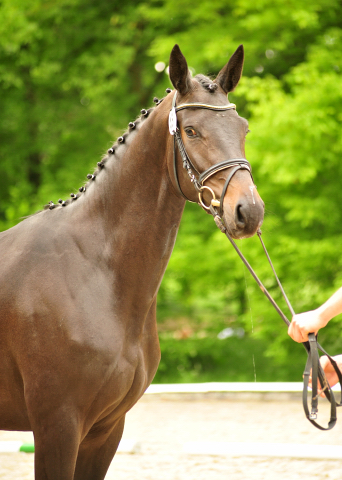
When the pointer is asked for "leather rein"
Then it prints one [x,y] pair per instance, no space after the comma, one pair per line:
[313,367]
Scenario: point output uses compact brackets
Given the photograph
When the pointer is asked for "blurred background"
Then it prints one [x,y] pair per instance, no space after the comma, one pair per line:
[74,73]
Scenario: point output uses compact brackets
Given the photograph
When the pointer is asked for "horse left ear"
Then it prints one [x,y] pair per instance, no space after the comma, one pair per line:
[178,71]
[229,76]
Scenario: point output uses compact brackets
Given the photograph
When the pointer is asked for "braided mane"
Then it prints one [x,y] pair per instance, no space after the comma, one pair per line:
[206,83]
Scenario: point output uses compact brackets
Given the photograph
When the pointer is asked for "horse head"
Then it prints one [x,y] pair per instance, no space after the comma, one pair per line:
[211,145]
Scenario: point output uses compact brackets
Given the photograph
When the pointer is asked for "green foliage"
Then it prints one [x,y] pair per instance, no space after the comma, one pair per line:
[72,75]
[233,359]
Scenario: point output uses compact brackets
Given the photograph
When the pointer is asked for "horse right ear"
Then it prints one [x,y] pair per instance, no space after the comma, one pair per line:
[178,71]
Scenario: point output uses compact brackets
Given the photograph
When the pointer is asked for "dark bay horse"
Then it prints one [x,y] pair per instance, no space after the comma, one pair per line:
[79,280]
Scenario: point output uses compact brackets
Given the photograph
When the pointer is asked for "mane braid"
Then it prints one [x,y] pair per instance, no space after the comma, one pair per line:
[132,126]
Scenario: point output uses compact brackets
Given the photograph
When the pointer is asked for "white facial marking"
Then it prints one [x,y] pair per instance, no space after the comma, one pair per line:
[252,187]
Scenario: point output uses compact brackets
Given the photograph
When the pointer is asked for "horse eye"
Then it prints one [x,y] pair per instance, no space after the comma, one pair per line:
[248,131]
[190,132]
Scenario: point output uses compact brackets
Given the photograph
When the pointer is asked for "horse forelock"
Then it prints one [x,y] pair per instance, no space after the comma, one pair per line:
[206,82]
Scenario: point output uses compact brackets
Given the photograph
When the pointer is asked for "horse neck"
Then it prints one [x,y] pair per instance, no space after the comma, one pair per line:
[137,186]
[133,210]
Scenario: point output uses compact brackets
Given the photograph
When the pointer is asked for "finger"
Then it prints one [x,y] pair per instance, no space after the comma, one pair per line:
[297,335]
[294,333]
[305,337]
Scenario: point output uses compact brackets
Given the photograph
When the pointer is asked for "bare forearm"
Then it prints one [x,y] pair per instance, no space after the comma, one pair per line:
[331,307]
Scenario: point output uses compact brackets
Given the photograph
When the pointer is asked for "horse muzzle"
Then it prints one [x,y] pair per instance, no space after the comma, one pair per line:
[243,217]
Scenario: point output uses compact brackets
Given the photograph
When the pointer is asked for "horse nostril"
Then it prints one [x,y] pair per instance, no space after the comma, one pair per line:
[240,217]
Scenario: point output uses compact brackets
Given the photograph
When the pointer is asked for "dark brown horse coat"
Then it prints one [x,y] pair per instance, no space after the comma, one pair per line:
[78,283]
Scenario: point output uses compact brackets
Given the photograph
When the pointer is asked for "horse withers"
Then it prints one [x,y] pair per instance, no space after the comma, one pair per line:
[79,280]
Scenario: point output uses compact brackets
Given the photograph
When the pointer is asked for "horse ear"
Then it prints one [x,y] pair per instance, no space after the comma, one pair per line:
[229,76]
[178,71]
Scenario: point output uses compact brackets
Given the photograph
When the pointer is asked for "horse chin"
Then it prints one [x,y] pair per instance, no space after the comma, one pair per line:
[236,235]
[239,233]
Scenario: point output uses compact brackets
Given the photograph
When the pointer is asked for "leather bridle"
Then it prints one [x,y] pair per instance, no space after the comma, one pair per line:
[198,181]
[313,367]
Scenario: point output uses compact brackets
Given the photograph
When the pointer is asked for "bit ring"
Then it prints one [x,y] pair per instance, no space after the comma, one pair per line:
[201,199]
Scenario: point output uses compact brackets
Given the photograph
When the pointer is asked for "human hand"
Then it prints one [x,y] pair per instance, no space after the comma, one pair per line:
[329,371]
[303,324]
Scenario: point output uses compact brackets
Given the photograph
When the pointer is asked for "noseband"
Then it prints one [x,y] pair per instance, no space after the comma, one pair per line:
[198,181]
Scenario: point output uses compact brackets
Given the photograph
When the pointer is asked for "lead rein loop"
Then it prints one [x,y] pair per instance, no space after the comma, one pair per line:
[312,338]
[313,365]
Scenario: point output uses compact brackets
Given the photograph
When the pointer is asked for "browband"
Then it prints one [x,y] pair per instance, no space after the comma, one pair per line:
[219,108]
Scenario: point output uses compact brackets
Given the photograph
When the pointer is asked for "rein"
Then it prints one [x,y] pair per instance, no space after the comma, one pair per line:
[313,366]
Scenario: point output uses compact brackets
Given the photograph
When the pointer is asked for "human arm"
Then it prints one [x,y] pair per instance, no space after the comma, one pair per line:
[310,322]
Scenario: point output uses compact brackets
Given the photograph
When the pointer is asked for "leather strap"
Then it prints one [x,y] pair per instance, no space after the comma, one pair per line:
[175,174]
[242,162]
[218,108]
[230,176]
[313,368]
